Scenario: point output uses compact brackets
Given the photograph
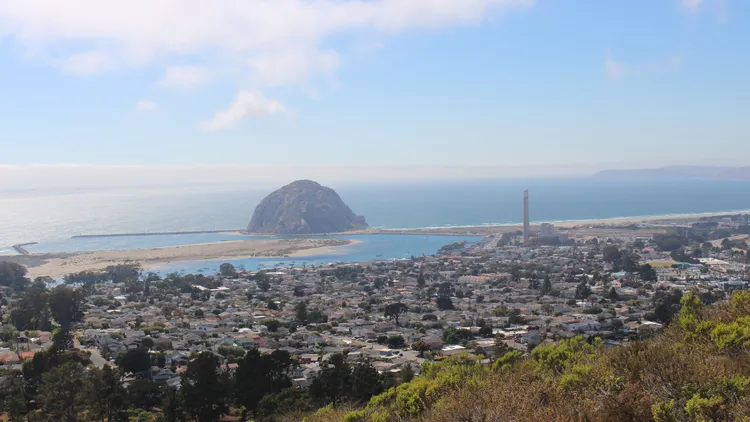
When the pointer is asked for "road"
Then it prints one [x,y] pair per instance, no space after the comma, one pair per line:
[96,357]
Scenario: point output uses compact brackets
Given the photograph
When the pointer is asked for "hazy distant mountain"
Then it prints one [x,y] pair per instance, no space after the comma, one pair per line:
[691,172]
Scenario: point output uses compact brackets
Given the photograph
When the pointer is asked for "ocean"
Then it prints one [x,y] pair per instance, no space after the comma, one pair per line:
[51,217]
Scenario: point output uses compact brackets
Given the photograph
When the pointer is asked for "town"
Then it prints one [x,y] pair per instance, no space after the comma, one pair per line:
[509,292]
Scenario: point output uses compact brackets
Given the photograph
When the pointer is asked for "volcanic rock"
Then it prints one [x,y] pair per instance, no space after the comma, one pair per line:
[304,207]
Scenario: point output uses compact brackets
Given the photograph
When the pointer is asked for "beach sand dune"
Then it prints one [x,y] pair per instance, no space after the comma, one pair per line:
[60,264]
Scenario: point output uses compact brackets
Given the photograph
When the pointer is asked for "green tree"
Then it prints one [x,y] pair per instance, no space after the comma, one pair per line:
[135,361]
[205,388]
[61,394]
[611,254]
[31,312]
[444,303]
[395,310]
[421,281]
[365,382]
[546,286]
[104,395]
[262,281]
[286,401]
[514,316]
[300,312]
[333,382]
[172,404]
[613,296]
[583,290]
[258,375]
[13,275]
[65,305]
[124,272]
[62,340]
[133,286]
[12,397]
[396,342]
[421,347]
[272,325]
[630,263]
[454,336]
[227,270]
[144,394]
[647,273]
[444,289]
[485,331]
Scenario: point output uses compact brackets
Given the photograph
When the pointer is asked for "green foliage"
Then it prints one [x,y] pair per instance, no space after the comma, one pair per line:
[205,388]
[396,342]
[507,360]
[452,335]
[583,290]
[287,401]
[135,361]
[13,275]
[65,304]
[228,351]
[663,411]
[689,313]
[227,270]
[31,312]
[444,303]
[703,409]
[576,378]
[333,382]
[61,393]
[557,358]
[732,337]
[259,375]
[394,311]
[412,399]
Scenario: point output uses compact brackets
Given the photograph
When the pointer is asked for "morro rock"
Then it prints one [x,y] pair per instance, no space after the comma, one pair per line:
[304,207]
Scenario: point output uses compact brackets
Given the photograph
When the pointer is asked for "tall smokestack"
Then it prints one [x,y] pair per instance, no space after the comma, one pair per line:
[526,230]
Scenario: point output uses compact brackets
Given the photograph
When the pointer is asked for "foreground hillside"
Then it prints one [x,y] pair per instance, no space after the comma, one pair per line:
[697,370]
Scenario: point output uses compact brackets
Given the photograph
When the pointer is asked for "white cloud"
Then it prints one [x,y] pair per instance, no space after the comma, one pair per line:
[145,106]
[293,67]
[185,76]
[88,63]
[691,5]
[246,104]
[290,34]
[256,43]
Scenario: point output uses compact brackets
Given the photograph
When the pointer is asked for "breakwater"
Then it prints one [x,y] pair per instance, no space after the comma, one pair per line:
[82,236]
[20,248]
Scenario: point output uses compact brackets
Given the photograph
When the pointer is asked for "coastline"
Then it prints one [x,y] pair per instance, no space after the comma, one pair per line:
[663,220]
[59,264]
[483,229]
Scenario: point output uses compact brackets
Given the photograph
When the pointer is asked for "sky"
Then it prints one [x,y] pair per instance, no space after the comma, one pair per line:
[114,91]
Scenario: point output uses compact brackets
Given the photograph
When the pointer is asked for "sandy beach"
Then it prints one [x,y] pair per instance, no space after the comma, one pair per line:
[652,224]
[59,264]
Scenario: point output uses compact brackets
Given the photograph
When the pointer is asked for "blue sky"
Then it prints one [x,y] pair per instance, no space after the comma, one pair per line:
[540,85]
